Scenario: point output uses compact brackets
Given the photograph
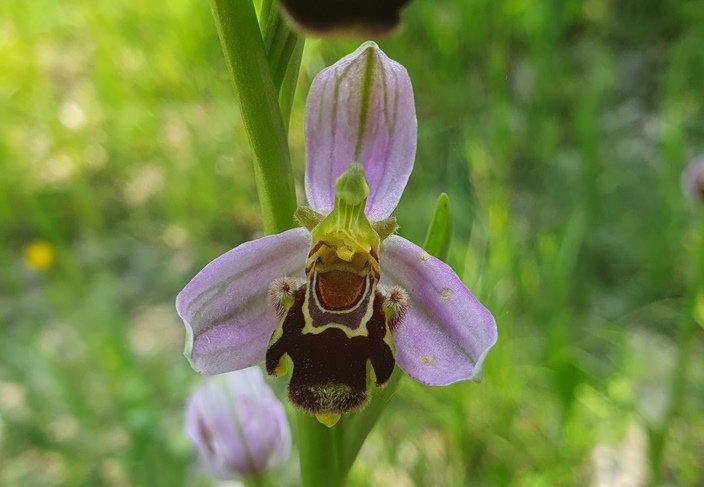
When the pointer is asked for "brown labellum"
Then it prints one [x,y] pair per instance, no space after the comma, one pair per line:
[330,368]
[346,17]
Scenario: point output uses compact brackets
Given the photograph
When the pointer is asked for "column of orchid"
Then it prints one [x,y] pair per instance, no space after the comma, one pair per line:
[332,297]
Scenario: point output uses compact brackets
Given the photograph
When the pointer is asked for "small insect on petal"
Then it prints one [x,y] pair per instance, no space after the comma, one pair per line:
[361,17]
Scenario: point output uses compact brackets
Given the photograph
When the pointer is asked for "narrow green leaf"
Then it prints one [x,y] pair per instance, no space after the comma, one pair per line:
[284,50]
[439,236]
[287,90]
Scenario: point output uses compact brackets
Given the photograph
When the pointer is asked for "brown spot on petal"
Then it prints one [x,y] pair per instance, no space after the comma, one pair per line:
[423,256]
[429,360]
[446,293]
[339,289]
[207,436]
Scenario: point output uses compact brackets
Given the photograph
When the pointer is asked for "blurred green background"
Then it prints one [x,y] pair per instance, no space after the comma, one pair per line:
[558,128]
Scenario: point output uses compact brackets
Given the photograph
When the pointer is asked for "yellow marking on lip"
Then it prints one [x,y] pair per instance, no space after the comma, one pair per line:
[328,419]
[281,367]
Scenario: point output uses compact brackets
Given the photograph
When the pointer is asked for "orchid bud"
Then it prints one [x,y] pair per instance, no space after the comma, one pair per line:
[238,425]
[693,180]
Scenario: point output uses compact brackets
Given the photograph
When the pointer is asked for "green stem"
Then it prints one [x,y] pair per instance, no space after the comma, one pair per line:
[357,426]
[246,59]
[320,450]
[279,42]
[262,480]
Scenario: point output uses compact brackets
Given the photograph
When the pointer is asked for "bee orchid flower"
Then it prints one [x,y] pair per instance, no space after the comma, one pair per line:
[343,297]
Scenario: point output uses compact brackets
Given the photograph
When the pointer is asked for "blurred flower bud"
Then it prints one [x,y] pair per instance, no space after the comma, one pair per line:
[238,425]
[693,179]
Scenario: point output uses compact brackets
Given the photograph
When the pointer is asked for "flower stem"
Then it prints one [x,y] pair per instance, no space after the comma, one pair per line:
[262,480]
[357,426]
[249,68]
[320,449]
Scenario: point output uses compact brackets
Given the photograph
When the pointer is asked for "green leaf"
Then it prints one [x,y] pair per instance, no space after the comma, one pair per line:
[284,50]
[439,236]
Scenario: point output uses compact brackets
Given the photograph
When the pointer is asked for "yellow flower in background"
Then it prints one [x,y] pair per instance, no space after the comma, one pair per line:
[39,255]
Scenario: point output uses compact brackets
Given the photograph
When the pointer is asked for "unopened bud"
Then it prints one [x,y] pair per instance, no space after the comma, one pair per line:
[693,179]
[238,425]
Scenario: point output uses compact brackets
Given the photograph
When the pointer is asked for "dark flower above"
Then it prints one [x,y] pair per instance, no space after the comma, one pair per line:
[362,17]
